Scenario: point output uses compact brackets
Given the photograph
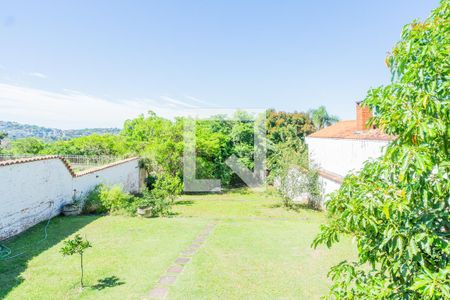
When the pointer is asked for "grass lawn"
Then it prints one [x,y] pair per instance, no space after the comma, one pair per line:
[128,255]
[257,250]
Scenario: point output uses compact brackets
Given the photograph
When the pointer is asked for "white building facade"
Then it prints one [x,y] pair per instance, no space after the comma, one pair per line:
[344,147]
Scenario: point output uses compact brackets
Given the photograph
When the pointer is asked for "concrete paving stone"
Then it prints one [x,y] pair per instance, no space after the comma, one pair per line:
[182,260]
[175,269]
[167,279]
[189,252]
[158,292]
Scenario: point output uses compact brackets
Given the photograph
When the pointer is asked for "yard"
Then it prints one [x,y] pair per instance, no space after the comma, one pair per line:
[238,245]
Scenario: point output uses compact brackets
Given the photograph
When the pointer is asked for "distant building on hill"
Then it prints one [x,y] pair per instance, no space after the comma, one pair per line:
[345,146]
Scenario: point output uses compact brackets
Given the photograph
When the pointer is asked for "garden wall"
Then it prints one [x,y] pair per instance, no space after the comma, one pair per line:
[33,190]
[328,183]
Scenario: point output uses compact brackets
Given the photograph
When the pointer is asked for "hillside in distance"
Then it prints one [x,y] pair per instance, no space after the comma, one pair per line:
[17,131]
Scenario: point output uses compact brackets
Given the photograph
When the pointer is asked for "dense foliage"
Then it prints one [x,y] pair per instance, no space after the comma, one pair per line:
[113,200]
[397,207]
[94,145]
[161,196]
[27,146]
[283,126]
[159,142]
[3,135]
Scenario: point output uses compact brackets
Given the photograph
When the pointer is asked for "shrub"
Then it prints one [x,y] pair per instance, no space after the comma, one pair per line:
[104,199]
[299,185]
[93,203]
[150,182]
[167,187]
[160,206]
[114,199]
[161,197]
[292,175]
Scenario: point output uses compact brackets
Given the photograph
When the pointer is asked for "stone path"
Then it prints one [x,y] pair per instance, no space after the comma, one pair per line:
[161,289]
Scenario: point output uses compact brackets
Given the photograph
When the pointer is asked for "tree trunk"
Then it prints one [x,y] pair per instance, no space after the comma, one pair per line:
[81,280]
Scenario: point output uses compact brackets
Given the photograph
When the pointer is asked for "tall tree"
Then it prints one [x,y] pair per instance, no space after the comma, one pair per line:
[283,126]
[157,139]
[321,118]
[93,145]
[397,208]
[3,135]
[27,146]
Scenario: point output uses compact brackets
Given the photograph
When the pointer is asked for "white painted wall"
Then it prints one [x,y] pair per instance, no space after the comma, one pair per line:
[32,192]
[328,186]
[340,156]
[35,191]
[126,175]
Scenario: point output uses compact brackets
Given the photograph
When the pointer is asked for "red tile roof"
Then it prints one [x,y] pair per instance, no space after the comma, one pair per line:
[37,158]
[348,130]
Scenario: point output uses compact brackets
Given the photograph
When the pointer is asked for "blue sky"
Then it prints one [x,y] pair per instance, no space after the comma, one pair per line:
[73,64]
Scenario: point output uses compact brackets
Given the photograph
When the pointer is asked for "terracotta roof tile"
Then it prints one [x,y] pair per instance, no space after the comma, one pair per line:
[89,171]
[347,130]
[331,176]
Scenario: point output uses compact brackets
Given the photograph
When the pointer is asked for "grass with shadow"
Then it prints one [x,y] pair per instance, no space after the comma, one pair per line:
[31,244]
[107,282]
[258,249]
[127,257]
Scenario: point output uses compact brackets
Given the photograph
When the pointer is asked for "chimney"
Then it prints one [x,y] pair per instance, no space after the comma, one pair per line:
[363,114]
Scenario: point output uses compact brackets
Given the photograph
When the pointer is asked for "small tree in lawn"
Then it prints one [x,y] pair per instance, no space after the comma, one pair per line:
[77,245]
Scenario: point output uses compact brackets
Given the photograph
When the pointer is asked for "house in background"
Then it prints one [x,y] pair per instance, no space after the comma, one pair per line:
[345,146]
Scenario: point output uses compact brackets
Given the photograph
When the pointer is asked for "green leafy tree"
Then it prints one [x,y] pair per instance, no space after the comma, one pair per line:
[77,245]
[92,145]
[286,133]
[214,145]
[397,207]
[321,118]
[165,189]
[27,146]
[284,126]
[3,135]
[158,140]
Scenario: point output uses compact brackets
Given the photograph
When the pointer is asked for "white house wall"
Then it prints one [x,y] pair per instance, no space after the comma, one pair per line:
[340,156]
[34,191]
